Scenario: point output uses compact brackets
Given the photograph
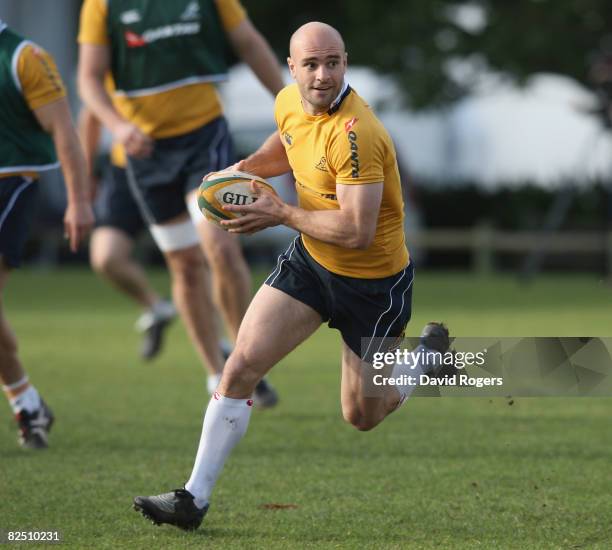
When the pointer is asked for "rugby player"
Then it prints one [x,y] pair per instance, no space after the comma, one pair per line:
[118,224]
[35,125]
[164,58]
[349,266]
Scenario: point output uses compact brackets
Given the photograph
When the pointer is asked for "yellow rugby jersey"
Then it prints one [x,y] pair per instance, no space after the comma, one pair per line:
[39,77]
[41,84]
[347,145]
[169,113]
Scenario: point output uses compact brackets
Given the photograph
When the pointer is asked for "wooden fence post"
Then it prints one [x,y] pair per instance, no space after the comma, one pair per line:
[482,248]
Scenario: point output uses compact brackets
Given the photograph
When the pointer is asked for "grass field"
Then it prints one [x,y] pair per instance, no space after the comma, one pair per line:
[442,473]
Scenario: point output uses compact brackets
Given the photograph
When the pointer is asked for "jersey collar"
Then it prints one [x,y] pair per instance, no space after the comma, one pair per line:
[346,90]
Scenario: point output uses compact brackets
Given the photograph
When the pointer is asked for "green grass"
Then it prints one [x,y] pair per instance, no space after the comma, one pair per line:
[442,473]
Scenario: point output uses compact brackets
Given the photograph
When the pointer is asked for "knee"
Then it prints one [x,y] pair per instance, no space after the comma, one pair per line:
[242,366]
[357,418]
[352,416]
[102,262]
[225,255]
[366,426]
[240,374]
[186,266]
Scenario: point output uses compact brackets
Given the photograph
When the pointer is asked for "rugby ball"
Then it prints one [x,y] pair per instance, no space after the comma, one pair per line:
[227,187]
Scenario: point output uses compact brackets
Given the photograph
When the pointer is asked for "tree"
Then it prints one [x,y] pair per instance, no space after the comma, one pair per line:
[421,43]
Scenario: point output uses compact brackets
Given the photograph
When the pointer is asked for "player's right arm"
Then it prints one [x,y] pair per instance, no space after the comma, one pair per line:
[268,161]
[94,64]
[89,128]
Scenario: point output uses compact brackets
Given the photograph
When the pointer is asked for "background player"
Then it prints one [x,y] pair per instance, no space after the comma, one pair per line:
[163,58]
[349,266]
[34,117]
[118,224]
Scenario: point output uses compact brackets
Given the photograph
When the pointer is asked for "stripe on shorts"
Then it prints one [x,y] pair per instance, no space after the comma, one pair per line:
[400,311]
[388,309]
[137,194]
[215,159]
[11,203]
[279,262]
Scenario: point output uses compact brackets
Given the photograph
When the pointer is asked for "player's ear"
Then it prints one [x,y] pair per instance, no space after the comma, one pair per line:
[291,66]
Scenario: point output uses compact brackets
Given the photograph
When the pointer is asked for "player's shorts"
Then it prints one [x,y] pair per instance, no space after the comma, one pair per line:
[17,209]
[358,308]
[115,206]
[177,166]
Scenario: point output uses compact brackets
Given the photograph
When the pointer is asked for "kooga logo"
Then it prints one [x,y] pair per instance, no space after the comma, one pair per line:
[352,137]
[135,40]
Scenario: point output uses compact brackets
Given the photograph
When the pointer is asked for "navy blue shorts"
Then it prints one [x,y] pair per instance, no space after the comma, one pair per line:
[17,209]
[115,206]
[176,167]
[358,308]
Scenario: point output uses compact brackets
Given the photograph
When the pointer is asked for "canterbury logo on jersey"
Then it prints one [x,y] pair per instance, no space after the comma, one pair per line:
[352,137]
[135,40]
[192,11]
[322,165]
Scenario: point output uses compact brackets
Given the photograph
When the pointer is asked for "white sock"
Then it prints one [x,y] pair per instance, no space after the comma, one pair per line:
[225,422]
[421,366]
[28,400]
[212,382]
[163,308]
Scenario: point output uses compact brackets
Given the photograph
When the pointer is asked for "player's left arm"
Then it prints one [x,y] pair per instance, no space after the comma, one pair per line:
[357,158]
[353,225]
[254,50]
[45,94]
[55,119]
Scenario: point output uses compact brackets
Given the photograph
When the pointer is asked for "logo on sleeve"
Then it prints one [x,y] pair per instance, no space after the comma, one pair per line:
[322,165]
[352,137]
[348,125]
[288,138]
[50,72]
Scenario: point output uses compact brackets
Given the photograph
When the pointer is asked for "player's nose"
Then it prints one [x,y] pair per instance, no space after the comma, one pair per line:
[322,74]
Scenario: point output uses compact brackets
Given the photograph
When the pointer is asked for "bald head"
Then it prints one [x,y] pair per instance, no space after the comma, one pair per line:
[315,35]
[317,62]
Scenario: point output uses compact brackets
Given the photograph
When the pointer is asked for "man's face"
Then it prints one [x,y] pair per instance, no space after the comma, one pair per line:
[318,68]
